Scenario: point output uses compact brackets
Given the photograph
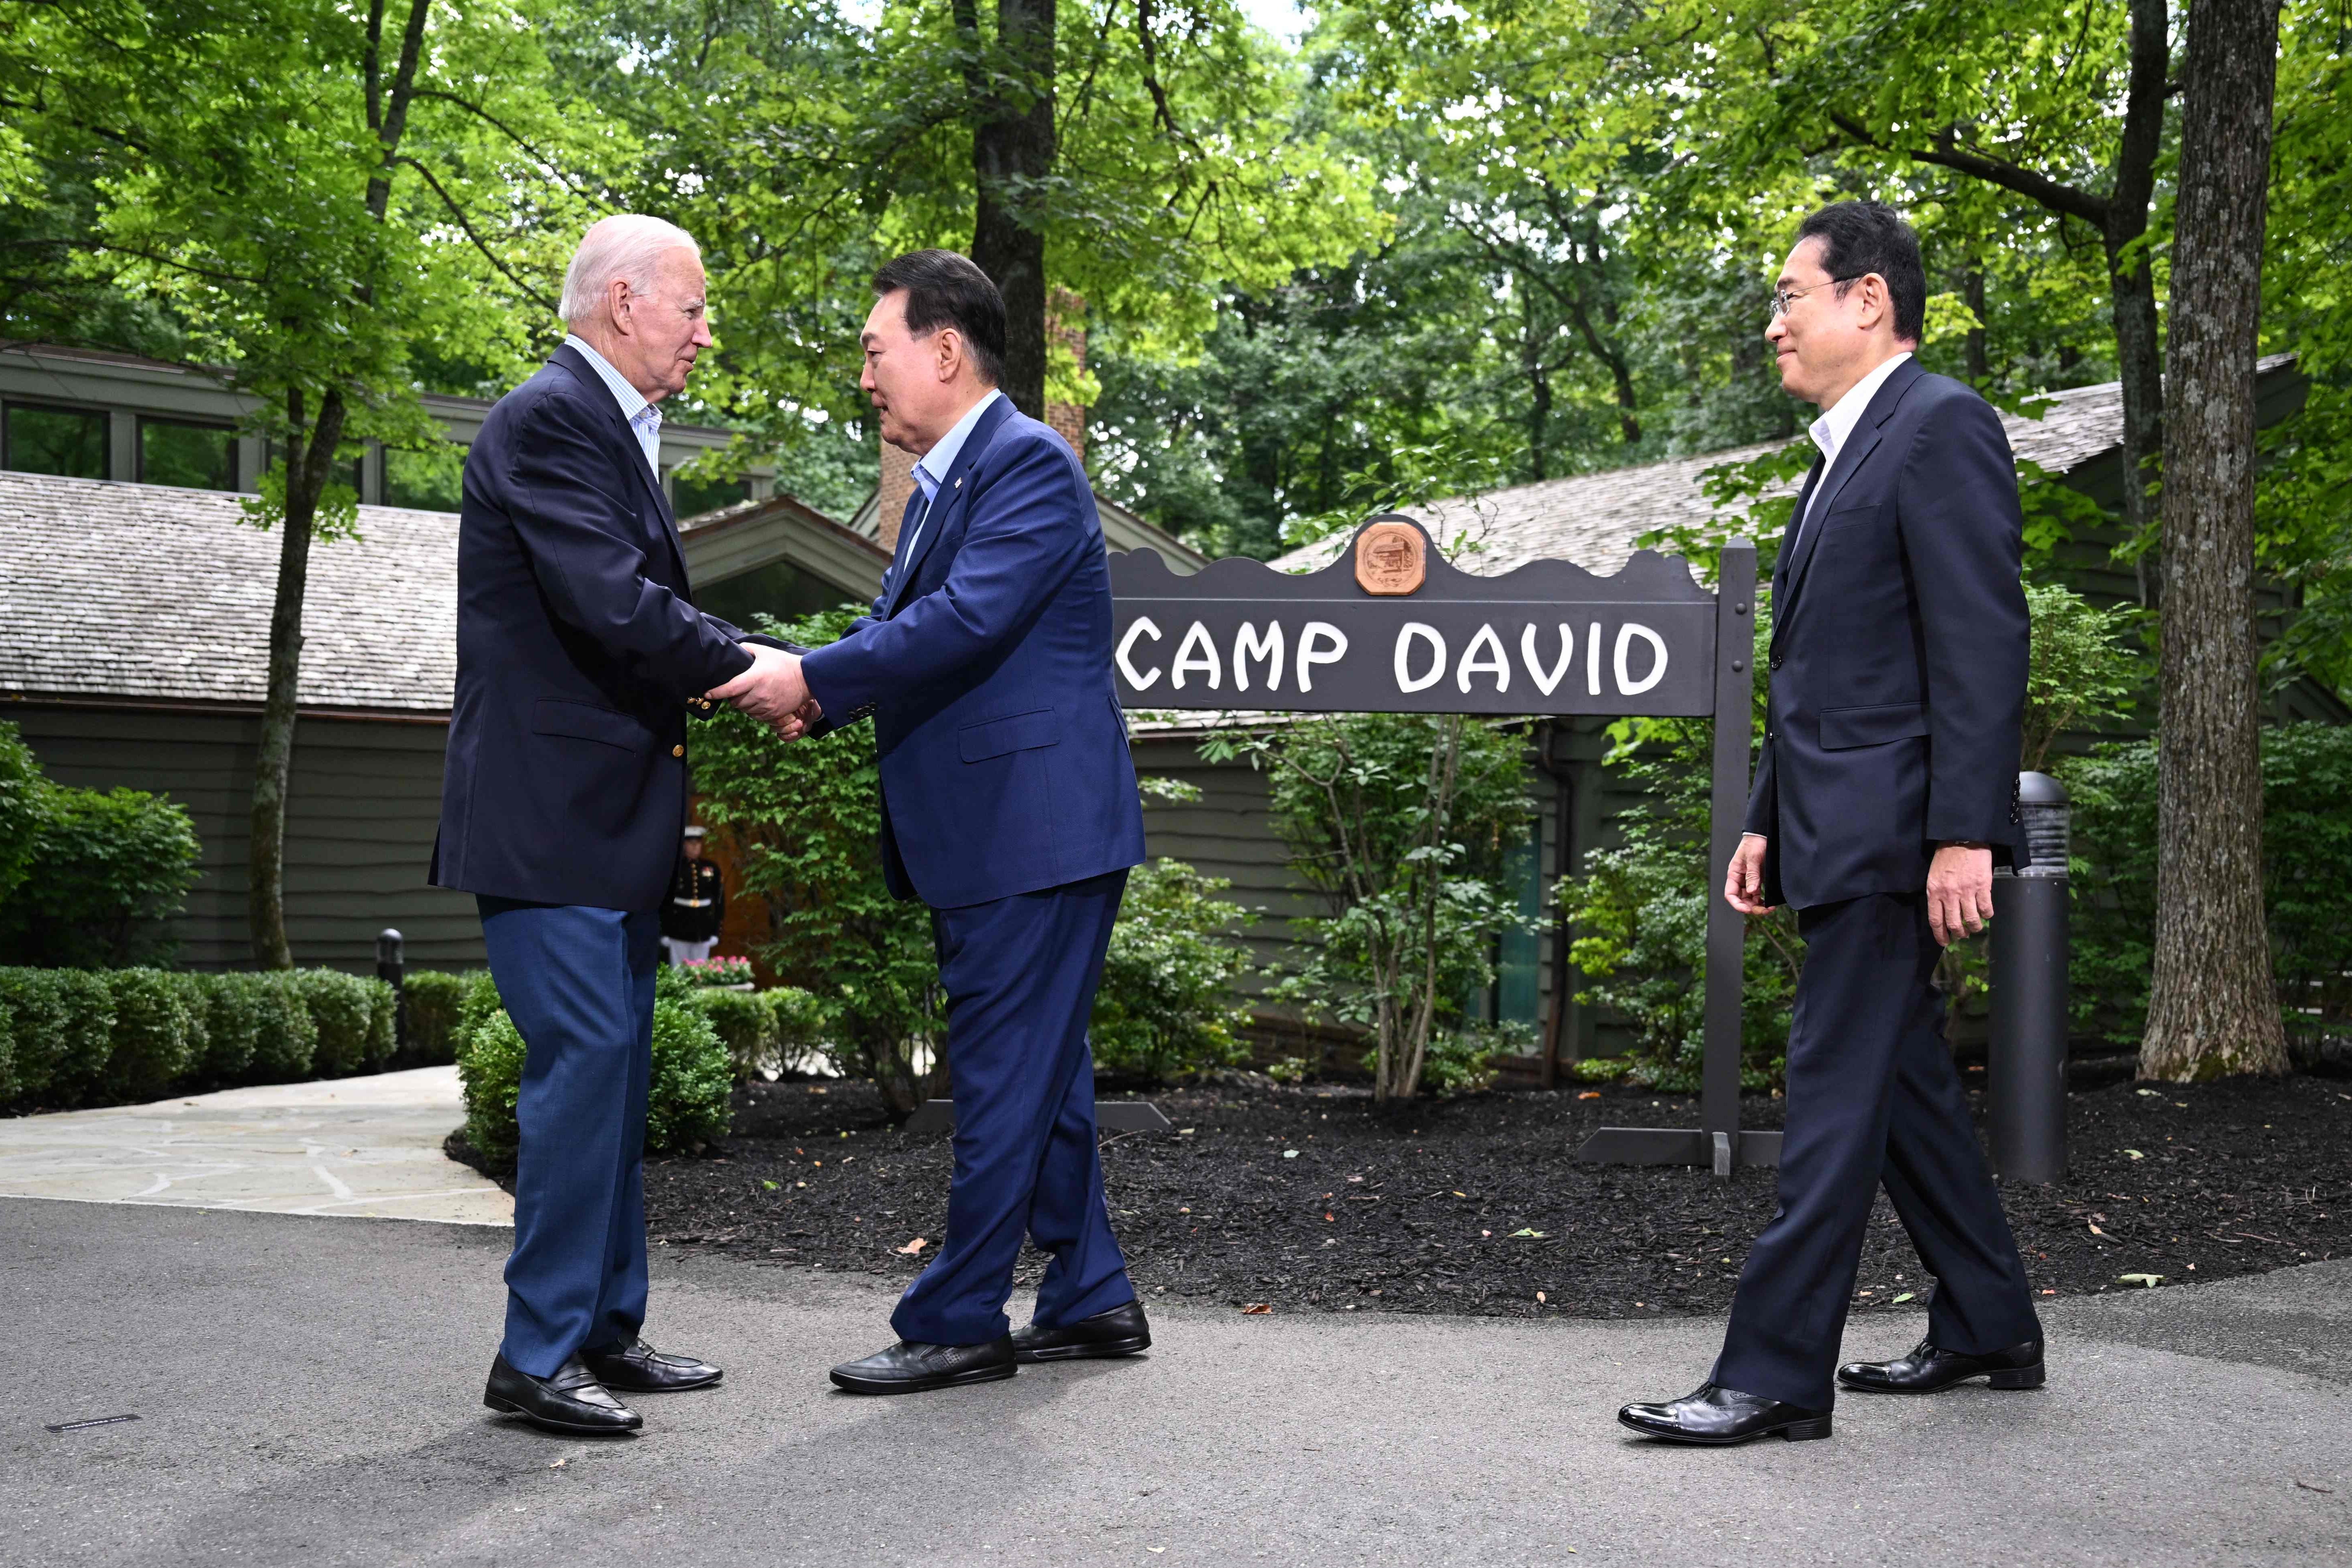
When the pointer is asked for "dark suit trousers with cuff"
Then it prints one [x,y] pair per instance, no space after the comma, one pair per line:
[1020,974]
[579,983]
[1873,1096]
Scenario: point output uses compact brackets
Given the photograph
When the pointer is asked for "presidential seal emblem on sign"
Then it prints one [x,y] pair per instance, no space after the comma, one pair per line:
[1391,559]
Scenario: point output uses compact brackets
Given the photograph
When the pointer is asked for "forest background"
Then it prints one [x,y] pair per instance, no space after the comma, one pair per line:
[1377,253]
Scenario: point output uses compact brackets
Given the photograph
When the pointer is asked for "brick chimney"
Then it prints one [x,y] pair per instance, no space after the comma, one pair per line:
[897,483]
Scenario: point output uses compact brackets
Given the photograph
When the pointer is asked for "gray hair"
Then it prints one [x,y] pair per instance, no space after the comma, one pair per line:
[624,247]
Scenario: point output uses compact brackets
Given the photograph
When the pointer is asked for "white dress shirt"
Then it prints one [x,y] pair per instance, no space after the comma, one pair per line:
[645,419]
[1835,426]
[932,470]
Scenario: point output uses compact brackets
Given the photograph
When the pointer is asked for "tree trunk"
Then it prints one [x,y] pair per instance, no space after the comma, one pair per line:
[308,468]
[2131,280]
[1972,290]
[1013,151]
[2213,1009]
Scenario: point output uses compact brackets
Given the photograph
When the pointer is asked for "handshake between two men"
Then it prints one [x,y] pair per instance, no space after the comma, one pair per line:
[773,691]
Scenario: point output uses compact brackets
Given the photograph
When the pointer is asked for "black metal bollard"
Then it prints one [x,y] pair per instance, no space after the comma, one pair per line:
[2025,1067]
[391,969]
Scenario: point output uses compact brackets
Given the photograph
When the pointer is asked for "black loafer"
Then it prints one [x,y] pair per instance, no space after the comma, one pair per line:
[1930,1368]
[1118,1332]
[638,1368]
[1719,1417]
[908,1367]
[571,1401]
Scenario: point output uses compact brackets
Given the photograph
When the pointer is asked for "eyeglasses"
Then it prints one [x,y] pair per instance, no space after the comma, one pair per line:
[1781,297]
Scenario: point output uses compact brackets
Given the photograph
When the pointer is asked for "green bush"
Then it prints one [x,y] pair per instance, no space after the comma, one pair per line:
[798,1020]
[22,793]
[383,1022]
[235,1010]
[2307,861]
[113,867]
[343,1008]
[432,1000]
[475,1003]
[285,1040]
[56,1030]
[687,1105]
[690,1103]
[151,1046]
[745,1024]
[490,1070]
[7,1056]
[1166,1006]
[196,997]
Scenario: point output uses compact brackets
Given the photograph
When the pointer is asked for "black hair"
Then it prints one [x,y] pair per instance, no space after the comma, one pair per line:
[1863,238]
[944,289]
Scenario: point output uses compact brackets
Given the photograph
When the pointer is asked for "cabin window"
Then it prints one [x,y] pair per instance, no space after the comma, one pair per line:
[68,441]
[193,456]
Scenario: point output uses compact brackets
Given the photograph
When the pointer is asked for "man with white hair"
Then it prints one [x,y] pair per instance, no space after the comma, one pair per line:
[578,649]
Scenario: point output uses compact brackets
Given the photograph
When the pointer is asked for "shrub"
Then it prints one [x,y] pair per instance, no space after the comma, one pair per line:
[720,971]
[687,1105]
[114,868]
[86,1041]
[383,1022]
[342,1009]
[150,1051]
[196,997]
[432,1000]
[286,1039]
[490,1070]
[2306,857]
[798,1021]
[7,1055]
[22,796]
[61,1025]
[1166,1005]
[235,1012]
[745,1024]
[475,1003]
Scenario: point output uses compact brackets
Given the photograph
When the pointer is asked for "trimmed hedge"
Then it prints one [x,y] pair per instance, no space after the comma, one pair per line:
[433,999]
[152,1025]
[688,1102]
[286,1045]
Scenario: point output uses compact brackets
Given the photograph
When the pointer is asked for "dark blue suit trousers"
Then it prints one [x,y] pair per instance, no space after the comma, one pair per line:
[579,983]
[1020,974]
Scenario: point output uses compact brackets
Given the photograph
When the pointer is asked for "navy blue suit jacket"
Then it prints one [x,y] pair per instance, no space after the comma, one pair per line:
[1898,655]
[578,646]
[986,662]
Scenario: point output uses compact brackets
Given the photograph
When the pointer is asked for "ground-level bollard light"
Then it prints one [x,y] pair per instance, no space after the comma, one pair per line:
[2025,1067]
[391,970]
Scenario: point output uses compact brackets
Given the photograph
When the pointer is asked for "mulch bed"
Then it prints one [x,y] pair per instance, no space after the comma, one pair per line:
[1308,1198]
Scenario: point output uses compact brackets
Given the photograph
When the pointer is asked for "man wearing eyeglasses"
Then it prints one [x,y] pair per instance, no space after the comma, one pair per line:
[1886,791]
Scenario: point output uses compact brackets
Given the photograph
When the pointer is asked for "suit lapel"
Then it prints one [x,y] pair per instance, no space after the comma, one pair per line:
[609,410]
[1812,515]
[952,491]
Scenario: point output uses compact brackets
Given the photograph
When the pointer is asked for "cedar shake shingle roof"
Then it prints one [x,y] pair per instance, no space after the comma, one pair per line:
[1593,519]
[149,591]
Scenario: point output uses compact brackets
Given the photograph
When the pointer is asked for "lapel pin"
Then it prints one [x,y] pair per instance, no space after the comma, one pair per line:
[958,484]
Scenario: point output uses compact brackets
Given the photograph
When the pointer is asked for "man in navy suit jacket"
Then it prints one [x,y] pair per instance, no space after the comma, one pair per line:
[565,791]
[1886,791]
[1009,806]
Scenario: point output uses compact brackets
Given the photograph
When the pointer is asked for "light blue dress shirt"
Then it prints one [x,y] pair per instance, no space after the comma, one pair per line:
[645,419]
[936,464]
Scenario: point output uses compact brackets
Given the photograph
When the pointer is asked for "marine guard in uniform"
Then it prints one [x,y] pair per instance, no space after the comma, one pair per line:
[696,905]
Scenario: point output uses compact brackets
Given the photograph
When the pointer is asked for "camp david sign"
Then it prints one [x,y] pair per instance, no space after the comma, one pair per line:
[1391,626]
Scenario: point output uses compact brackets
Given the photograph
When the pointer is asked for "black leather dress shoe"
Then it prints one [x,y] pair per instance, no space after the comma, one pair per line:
[637,1367]
[1118,1332]
[1720,1416]
[570,1401]
[908,1367]
[1928,1368]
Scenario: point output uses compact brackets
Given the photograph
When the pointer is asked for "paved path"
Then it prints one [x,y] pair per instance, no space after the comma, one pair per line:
[307,1392]
[368,1146]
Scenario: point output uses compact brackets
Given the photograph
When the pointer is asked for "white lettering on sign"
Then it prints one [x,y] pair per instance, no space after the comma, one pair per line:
[1248,645]
[1187,659]
[1592,661]
[1498,664]
[1320,643]
[1414,631]
[1142,628]
[1626,684]
[1546,681]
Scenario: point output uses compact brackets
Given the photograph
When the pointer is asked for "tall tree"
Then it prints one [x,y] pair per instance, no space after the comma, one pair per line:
[1012,146]
[304,212]
[2211,1008]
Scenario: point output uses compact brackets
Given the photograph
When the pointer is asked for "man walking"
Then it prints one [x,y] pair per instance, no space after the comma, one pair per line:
[1009,806]
[565,791]
[1886,792]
